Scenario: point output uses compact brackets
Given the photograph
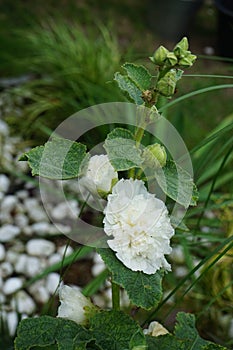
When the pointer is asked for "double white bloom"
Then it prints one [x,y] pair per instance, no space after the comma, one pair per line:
[139,225]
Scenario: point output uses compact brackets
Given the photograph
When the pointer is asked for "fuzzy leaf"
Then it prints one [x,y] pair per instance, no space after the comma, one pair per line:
[177,184]
[139,75]
[59,159]
[122,151]
[128,86]
[114,330]
[143,290]
[44,331]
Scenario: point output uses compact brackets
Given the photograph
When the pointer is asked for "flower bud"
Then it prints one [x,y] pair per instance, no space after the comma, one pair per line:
[74,305]
[166,85]
[171,59]
[181,47]
[100,176]
[187,61]
[155,156]
[159,56]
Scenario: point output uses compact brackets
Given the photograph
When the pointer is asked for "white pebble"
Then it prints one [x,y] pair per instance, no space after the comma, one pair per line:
[4,130]
[12,257]
[177,255]
[2,298]
[40,247]
[4,183]
[12,321]
[21,220]
[8,232]
[64,210]
[34,210]
[54,259]
[6,269]
[64,249]
[52,282]
[59,228]
[12,285]
[18,247]
[39,292]
[34,266]
[8,203]
[41,228]
[21,264]
[2,252]
[23,303]
[27,230]
[22,194]
[97,269]
[181,271]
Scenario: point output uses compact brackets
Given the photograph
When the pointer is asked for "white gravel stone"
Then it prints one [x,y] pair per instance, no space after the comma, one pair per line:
[1,282]
[52,282]
[4,183]
[23,303]
[4,129]
[22,194]
[177,255]
[59,228]
[1,196]
[18,247]
[39,292]
[2,298]
[2,252]
[40,247]
[12,285]
[8,232]
[34,210]
[64,210]
[6,269]
[8,203]
[181,271]
[63,249]
[54,259]
[41,228]
[27,230]
[21,220]
[12,257]
[12,321]
[34,266]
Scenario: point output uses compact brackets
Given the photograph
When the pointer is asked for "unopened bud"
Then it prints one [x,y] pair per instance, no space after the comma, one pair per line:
[187,61]
[160,56]
[155,156]
[166,85]
[181,47]
[171,59]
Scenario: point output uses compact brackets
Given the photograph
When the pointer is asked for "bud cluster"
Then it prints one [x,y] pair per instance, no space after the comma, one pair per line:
[180,57]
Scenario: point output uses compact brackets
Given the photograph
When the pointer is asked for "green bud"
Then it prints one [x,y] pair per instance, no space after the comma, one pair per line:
[154,156]
[166,85]
[181,47]
[160,56]
[171,59]
[187,61]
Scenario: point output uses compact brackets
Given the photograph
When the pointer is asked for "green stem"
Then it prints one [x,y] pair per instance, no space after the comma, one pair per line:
[115,296]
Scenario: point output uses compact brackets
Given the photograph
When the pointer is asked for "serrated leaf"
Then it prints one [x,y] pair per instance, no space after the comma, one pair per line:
[143,290]
[138,341]
[122,151]
[59,159]
[113,329]
[128,86]
[45,330]
[177,184]
[139,75]
[164,342]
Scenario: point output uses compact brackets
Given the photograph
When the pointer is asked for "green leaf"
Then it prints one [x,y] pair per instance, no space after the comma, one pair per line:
[59,159]
[128,86]
[122,151]
[185,337]
[143,290]
[44,331]
[138,341]
[139,75]
[177,184]
[114,330]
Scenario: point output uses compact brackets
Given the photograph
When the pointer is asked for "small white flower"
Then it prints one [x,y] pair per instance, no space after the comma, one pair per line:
[100,176]
[155,329]
[140,227]
[74,305]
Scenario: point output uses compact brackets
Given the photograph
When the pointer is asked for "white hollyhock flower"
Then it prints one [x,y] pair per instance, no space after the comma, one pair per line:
[74,305]
[100,176]
[140,227]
